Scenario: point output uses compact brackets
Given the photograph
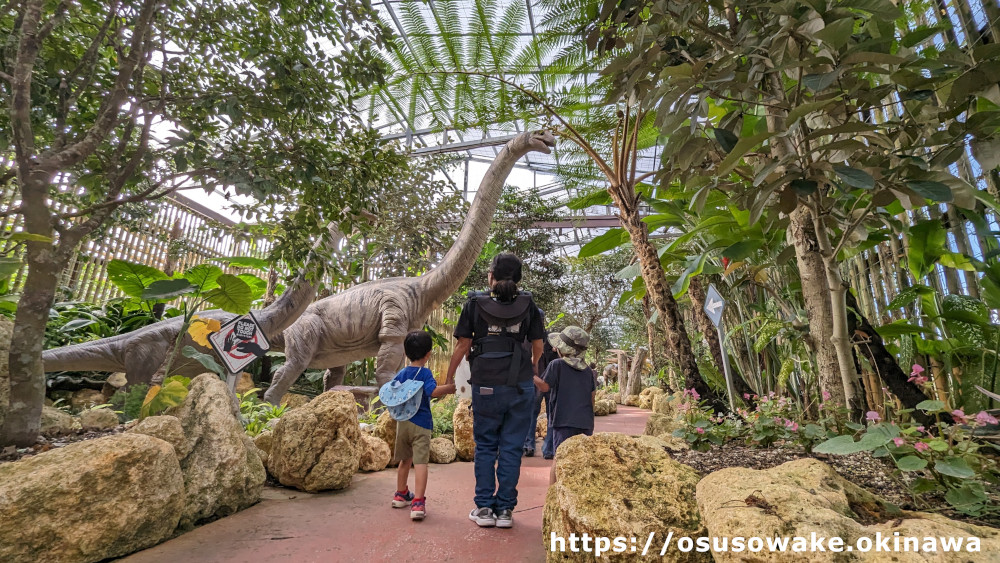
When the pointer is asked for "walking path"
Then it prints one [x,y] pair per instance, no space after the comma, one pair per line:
[357,524]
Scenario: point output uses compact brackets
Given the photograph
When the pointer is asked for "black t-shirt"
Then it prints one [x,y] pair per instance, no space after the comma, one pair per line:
[570,395]
[493,371]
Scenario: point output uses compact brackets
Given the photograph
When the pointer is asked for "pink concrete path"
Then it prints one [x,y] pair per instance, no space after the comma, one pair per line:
[358,524]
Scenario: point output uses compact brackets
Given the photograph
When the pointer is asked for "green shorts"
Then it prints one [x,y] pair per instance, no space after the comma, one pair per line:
[412,441]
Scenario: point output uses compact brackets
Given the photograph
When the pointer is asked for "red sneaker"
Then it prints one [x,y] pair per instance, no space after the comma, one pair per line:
[418,509]
[402,499]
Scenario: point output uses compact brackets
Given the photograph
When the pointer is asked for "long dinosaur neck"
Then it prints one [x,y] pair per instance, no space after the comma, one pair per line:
[287,309]
[447,277]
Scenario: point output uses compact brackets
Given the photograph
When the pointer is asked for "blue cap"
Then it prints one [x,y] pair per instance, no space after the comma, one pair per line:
[402,399]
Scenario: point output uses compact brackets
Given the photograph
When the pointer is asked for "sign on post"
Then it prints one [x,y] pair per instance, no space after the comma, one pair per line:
[238,343]
[714,307]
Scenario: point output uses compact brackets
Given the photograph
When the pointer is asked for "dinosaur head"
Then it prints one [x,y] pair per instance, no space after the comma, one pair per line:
[540,141]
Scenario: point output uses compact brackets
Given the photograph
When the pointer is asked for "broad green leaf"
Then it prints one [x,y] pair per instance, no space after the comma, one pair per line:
[203,276]
[232,295]
[803,110]
[745,145]
[159,399]
[954,466]
[899,328]
[854,177]
[725,138]
[968,498]
[911,463]
[928,241]
[30,237]
[742,249]
[132,278]
[919,34]
[9,266]
[77,324]
[930,405]
[257,285]
[934,191]
[818,82]
[613,238]
[206,360]
[957,261]
[167,289]
[839,445]
[884,9]
[693,267]
[909,295]
[596,197]
[837,33]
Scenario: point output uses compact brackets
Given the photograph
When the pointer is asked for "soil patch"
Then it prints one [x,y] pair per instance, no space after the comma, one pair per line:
[45,444]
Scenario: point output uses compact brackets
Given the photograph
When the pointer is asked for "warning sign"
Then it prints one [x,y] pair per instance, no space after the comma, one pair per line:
[239,342]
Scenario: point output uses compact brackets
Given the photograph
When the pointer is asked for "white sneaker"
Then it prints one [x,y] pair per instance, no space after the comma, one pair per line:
[483,517]
[505,518]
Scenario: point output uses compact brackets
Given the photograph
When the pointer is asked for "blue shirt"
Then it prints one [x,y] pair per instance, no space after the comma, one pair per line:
[423,417]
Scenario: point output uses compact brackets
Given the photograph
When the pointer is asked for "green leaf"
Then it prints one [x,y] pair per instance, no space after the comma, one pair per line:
[596,197]
[805,109]
[742,249]
[968,498]
[909,295]
[899,328]
[233,295]
[159,399]
[742,147]
[919,34]
[957,261]
[934,191]
[804,187]
[203,276]
[206,360]
[954,466]
[725,138]
[613,238]
[30,237]
[855,177]
[928,241]
[911,463]
[930,405]
[817,82]
[132,278]
[884,9]
[693,267]
[167,289]
[257,285]
[839,445]
[9,266]
[837,33]
[245,262]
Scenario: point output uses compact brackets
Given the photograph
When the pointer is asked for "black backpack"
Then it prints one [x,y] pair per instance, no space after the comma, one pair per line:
[505,344]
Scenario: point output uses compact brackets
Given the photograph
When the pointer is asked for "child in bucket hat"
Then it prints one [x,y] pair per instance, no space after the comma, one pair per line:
[571,385]
[407,397]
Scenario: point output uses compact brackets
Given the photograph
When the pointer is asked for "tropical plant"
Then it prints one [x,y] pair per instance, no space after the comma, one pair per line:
[128,402]
[443,414]
[255,413]
[371,411]
[170,393]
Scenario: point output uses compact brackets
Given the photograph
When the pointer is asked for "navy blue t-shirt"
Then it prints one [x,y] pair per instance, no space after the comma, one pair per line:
[423,417]
[570,395]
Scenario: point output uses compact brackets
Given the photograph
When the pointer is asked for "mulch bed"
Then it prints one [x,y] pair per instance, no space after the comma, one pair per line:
[45,444]
[870,473]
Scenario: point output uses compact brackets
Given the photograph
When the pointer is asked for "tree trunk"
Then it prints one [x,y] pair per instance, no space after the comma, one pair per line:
[838,306]
[27,375]
[678,345]
[635,375]
[697,294]
[871,346]
[816,295]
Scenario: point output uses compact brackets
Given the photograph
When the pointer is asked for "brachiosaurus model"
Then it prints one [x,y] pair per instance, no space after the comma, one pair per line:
[372,318]
[141,353]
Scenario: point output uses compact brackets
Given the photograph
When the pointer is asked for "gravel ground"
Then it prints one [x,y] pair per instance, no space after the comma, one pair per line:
[45,444]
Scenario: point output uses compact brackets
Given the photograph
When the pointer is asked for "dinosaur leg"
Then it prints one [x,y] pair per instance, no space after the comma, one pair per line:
[143,361]
[389,360]
[334,377]
[298,354]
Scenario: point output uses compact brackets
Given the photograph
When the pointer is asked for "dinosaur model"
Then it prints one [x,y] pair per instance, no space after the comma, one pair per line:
[143,352]
[372,318]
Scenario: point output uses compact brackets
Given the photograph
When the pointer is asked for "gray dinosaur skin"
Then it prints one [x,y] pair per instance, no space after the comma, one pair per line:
[371,319]
[141,353]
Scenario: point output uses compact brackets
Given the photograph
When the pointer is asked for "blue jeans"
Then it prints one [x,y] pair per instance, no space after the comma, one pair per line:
[499,424]
[529,439]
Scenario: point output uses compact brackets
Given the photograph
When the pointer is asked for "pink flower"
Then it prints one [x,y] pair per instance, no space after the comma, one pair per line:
[917,379]
[746,396]
[826,395]
[699,430]
[984,418]
[792,426]
[921,429]
[921,447]
[694,394]
[917,369]
[872,416]
[898,442]
[959,416]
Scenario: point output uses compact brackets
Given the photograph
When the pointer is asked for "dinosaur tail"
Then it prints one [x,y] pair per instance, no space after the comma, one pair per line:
[97,355]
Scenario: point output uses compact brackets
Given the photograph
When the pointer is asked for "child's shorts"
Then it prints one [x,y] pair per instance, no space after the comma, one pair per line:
[562,433]
[412,441]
